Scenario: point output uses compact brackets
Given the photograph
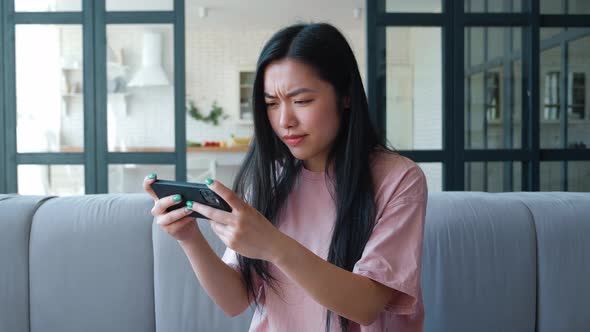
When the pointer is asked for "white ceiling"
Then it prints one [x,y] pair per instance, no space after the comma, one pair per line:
[261,14]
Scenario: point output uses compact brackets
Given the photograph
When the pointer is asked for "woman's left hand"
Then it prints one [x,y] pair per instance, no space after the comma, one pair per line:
[245,230]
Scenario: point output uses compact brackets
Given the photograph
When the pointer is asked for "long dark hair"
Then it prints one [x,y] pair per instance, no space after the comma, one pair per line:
[269,171]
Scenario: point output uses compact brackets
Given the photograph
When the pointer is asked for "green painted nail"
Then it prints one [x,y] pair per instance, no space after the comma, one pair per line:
[152,176]
[189,204]
[187,209]
[208,181]
[177,198]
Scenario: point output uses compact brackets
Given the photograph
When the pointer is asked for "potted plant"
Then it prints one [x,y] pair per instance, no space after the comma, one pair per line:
[214,116]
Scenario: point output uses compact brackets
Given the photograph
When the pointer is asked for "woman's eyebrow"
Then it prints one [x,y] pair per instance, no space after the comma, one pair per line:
[292,93]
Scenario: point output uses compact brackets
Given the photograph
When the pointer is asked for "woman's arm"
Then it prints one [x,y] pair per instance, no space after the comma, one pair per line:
[350,295]
[249,233]
[222,283]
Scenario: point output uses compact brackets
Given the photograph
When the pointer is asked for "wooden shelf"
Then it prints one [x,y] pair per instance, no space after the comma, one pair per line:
[239,148]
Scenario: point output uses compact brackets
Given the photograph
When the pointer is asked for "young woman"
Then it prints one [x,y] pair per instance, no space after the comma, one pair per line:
[327,224]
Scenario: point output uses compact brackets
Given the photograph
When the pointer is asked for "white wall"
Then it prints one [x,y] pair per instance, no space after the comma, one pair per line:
[414,93]
[427,87]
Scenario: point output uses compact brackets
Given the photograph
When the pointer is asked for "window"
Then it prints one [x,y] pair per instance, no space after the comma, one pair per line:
[73,121]
[506,86]
[576,96]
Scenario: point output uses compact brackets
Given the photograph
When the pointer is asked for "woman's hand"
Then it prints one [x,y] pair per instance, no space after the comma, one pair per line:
[177,223]
[245,230]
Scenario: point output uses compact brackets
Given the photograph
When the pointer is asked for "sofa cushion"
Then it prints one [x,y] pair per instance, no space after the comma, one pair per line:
[16,214]
[91,264]
[478,264]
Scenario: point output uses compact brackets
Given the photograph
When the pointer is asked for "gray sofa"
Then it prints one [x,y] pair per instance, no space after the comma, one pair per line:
[491,262]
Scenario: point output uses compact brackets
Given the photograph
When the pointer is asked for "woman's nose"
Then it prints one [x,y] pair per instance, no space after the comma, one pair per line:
[287,119]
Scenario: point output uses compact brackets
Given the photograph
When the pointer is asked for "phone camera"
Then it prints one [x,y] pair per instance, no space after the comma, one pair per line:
[210,197]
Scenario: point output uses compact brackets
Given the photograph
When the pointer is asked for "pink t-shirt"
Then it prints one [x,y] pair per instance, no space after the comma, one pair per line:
[392,255]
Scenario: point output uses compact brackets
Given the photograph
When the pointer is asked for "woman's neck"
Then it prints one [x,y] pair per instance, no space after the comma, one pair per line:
[316,167]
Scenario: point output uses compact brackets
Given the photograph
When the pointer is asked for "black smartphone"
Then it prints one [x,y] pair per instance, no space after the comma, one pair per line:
[196,192]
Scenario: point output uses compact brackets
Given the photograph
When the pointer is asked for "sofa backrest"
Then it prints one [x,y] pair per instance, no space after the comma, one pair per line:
[88,263]
[478,264]
[562,229]
[91,265]
[16,214]
[510,262]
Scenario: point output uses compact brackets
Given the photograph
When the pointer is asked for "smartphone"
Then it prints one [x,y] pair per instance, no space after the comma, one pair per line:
[196,192]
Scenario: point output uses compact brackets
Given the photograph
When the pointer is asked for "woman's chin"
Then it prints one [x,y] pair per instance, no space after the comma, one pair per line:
[298,154]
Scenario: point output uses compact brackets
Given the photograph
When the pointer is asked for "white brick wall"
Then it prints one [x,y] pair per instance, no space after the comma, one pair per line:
[213,60]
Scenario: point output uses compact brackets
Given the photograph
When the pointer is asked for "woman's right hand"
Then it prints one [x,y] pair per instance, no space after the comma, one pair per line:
[177,223]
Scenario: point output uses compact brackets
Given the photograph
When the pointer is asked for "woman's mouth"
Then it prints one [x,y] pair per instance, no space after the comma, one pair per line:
[294,140]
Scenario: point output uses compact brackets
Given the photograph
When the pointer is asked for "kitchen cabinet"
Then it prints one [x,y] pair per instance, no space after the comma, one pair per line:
[246,88]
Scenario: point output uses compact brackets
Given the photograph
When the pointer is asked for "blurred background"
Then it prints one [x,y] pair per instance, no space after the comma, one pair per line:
[488,95]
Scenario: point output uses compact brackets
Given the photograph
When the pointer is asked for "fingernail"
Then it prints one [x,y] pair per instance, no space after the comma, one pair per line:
[152,176]
[208,181]
[177,198]
[189,204]
[187,208]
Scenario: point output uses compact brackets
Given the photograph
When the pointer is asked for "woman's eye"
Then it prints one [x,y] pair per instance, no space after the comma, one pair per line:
[303,101]
[270,104]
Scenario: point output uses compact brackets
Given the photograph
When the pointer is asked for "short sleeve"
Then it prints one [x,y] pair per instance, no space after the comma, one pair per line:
[230,258]
[392,256]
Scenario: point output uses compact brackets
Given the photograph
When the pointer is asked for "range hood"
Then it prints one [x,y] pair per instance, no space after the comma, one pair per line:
[151,72]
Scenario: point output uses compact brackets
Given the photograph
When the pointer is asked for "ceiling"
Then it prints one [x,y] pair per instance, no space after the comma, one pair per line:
[260,14]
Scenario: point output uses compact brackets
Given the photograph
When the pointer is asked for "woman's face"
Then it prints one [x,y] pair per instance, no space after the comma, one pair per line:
[302,110]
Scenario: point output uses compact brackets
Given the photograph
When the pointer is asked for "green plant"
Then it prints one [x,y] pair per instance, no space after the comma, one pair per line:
[214,116]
